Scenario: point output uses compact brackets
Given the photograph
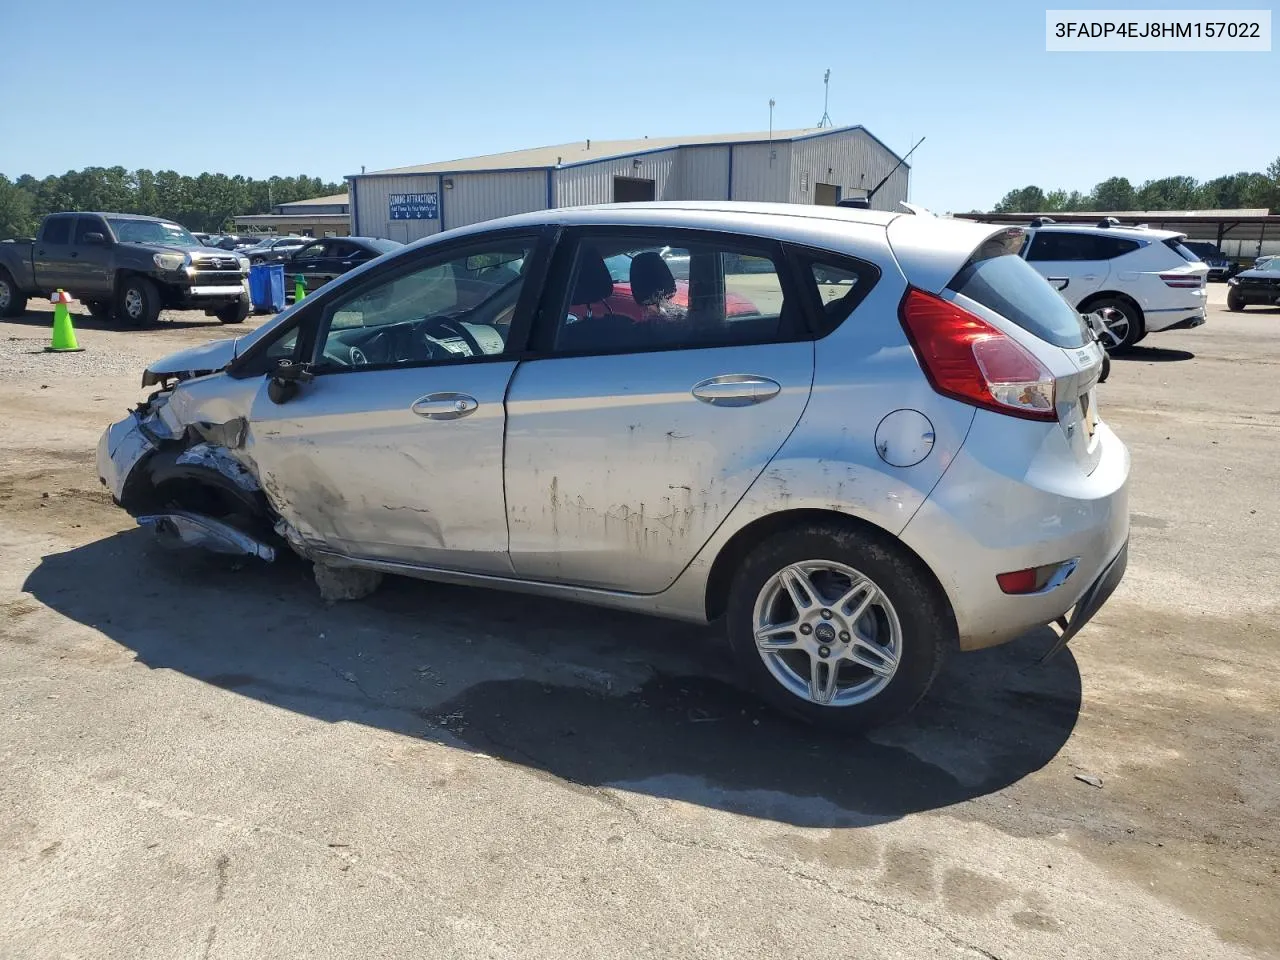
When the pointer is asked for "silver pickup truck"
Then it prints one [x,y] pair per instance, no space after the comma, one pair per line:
[124,267]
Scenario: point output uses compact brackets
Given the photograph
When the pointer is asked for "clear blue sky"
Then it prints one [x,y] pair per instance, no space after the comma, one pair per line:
[322,87]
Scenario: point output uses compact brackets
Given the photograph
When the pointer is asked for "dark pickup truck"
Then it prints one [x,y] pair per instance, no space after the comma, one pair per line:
[125,267]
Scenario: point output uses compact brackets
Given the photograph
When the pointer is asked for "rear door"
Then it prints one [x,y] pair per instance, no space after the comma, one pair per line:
[51,255]
[632,433]
[1070,256]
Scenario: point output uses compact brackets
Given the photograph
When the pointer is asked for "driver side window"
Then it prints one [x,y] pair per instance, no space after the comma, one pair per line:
[453,307]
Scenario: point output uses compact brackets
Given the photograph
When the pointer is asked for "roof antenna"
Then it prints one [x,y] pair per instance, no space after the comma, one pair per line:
[772,153]
[826,96]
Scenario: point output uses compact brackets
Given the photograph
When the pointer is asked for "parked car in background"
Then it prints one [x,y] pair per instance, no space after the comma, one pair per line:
[1257,287]
[274,249]
[897,454]
[237,241]
[1220,267]
[1148,278]
[123,266]
[319,261]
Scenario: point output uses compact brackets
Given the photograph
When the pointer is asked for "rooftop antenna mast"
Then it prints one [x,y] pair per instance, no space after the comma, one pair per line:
[826,98]
[771,151]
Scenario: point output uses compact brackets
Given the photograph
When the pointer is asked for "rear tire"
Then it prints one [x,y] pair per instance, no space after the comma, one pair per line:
[235,313]
[1234,302]
[13,303]
[138,302]
[1126,332]
[899,640]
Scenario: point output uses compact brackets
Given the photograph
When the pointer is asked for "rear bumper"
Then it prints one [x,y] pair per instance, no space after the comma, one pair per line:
[1091,600]
[1014,498]
[1179,319]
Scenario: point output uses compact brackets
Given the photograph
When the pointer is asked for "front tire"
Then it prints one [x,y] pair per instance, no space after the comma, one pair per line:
[138,302]
[235,313]
[1124,330]
[1234,302]
[839,628]
[13,303]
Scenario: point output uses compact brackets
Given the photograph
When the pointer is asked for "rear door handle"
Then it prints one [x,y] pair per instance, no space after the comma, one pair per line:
[445,406]
[736,390]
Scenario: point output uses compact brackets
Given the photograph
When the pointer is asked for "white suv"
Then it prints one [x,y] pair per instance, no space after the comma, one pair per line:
[1147,277]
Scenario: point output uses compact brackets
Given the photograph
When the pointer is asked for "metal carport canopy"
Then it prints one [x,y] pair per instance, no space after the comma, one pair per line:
[1249,225]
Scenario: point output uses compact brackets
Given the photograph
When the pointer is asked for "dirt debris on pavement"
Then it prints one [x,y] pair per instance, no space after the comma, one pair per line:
[202,757]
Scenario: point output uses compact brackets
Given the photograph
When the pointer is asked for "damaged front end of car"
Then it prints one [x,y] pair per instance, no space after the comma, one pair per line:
[181,464]
[186,481]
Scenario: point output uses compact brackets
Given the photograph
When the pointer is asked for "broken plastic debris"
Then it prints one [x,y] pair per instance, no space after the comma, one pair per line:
[179,528]
[217,458]
[1090,780]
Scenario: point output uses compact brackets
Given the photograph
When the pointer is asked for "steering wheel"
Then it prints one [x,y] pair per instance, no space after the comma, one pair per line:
[452,328]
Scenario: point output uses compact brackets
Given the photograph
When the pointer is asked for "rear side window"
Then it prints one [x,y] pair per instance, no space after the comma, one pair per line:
[1006,284]
[1177,246]
[841,282]
[57,230]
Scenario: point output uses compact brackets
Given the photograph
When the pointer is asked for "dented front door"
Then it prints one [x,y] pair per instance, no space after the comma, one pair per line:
[393,464]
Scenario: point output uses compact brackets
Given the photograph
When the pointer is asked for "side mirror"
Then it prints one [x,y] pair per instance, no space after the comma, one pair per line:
[285,378]
[95,238]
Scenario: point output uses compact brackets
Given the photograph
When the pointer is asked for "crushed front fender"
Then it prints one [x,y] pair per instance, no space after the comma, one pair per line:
[122,447]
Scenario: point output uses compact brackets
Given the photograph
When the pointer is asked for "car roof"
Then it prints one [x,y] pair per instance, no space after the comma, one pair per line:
[1124,230]
[120,216]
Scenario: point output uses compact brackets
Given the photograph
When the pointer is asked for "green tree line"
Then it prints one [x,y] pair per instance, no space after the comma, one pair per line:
[1233,191]
[207,202]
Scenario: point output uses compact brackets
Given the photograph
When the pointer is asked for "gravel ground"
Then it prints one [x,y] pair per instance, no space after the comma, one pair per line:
[202,759]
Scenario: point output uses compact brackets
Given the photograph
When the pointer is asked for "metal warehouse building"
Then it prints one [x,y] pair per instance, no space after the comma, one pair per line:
[795,166]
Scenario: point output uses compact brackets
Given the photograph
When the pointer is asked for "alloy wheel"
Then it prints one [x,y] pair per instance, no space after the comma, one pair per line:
[133,303]
[6,295]
[1116,326]
[827,633]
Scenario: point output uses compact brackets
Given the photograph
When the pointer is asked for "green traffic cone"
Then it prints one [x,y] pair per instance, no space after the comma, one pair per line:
[299,287]
[64,334]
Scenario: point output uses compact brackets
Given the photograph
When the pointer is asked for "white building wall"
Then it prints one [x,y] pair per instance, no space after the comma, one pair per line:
[761,172]
[853,160]
[485,196]
[703,173]
[593,182]
[371,209]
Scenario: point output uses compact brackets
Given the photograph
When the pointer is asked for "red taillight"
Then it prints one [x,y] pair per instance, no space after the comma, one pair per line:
[967,359]
[1186,281]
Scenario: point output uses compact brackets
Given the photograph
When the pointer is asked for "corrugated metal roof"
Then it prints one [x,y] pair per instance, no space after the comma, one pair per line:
[582,151]
[337,198]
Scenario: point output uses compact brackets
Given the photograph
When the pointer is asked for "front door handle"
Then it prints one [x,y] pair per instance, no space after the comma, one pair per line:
[736,390]
[445,406]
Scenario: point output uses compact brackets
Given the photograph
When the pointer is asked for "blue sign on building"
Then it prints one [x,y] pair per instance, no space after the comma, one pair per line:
[415,206]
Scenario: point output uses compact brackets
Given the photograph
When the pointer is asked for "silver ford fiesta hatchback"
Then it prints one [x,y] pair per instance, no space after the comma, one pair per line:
[859,439]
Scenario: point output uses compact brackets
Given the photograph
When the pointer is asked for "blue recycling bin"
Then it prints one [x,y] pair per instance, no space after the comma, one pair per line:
[266,287]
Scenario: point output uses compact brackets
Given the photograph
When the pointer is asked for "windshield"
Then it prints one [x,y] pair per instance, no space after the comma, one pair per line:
[152,231]
[1271,266]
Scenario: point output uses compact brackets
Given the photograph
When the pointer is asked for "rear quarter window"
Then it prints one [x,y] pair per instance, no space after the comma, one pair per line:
[1006,284]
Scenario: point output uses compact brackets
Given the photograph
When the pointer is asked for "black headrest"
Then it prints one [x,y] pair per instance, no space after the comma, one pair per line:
[594,283]
[651,279]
